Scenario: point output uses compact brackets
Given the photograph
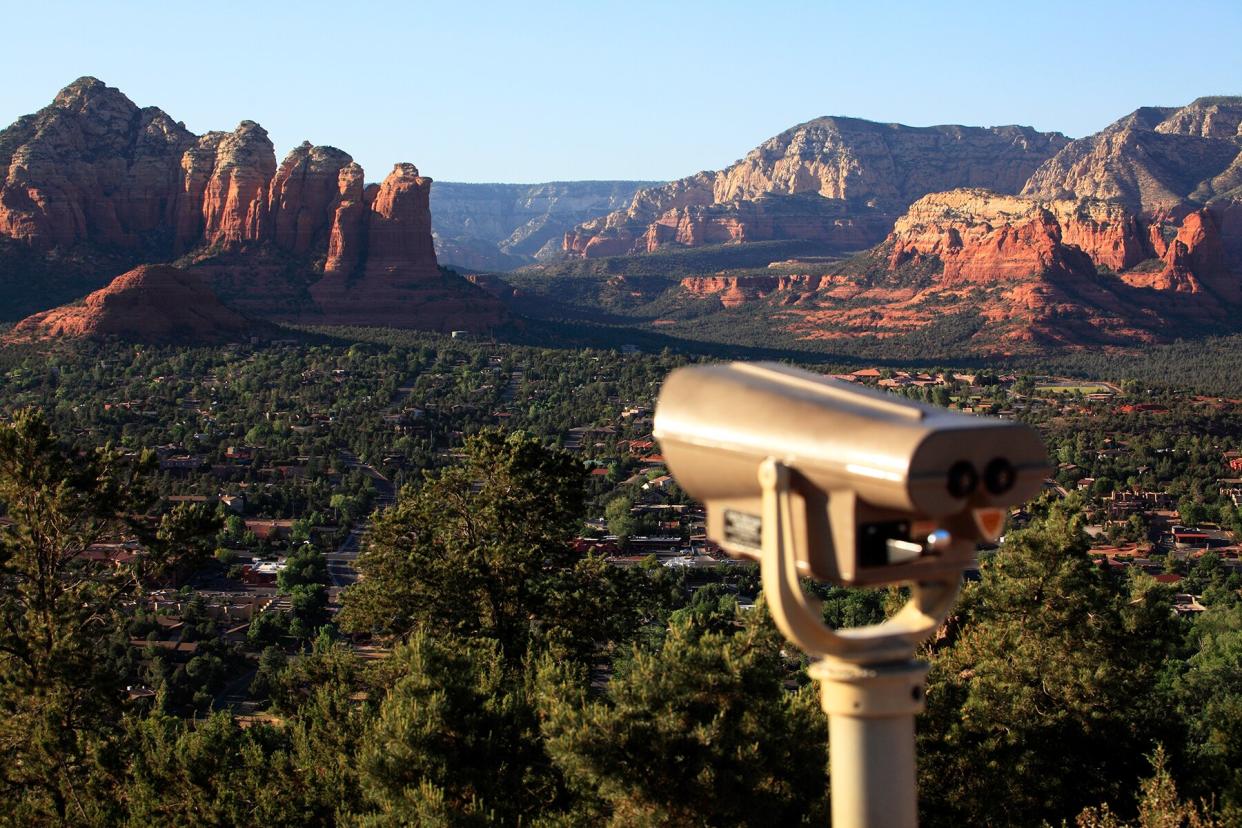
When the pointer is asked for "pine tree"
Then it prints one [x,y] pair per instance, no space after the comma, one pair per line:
[1209,696]
[475,550]
[60,693]
[701,731]
[455,734]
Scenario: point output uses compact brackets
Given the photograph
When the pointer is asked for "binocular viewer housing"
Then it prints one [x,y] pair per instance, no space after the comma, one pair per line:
[881,489]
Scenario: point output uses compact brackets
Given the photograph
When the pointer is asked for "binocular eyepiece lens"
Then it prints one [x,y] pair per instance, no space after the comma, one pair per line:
[963,479]
[999,476]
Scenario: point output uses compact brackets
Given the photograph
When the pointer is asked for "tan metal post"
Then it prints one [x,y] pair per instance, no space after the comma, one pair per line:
[870,686]
[871,713]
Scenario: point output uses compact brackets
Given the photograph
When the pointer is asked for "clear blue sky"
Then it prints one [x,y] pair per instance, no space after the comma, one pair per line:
[535,91]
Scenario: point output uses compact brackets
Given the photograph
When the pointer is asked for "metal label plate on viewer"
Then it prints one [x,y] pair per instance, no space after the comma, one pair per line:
[743,530]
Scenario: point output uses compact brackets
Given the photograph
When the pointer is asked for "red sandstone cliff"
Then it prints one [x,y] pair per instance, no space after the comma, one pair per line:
[305,195]
[981,237]
[1126,236]
[734,291]
[151,303]
[1061,272]
[1179,172]
[1194,261]
[235,198]
[347,238]
[399,283]
[93,169]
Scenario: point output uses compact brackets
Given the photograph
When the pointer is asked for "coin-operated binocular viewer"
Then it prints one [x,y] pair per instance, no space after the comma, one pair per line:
[813,477]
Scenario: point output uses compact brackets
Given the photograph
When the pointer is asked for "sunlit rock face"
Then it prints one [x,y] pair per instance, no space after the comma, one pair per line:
[397,282]
[840,181]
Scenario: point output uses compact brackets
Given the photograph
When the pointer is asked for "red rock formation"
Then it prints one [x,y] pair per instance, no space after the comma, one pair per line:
[399,227]
[1113,238]
[841,181]
[235,197]
[733,291]
[1129,236]
[347,241]
[1195,261]
[400,284]
[230,196]
[983,237]
[94,169]
[197,165]
[1036,272]
[1164,165]
[305,196]
[151,303]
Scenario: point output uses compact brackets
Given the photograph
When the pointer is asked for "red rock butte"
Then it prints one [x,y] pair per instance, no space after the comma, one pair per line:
[1026,238]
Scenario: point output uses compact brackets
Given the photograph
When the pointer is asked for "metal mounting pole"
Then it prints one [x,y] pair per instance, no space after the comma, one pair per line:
[871,711]
[870,685]
[856,489]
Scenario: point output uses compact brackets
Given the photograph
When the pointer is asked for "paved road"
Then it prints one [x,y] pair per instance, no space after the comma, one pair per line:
[1057,487]
[341,562]
[341,570]
[385,491]
[236,693]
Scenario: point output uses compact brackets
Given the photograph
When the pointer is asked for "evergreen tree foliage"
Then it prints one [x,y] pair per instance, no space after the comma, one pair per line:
[1209,697]
[1048,695]
[1159,805]
[701,731]
[60,692]
[467,551]
[456,729]
[529,685]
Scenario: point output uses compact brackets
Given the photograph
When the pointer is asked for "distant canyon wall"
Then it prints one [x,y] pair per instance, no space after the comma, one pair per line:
[504,226]
[841,181]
